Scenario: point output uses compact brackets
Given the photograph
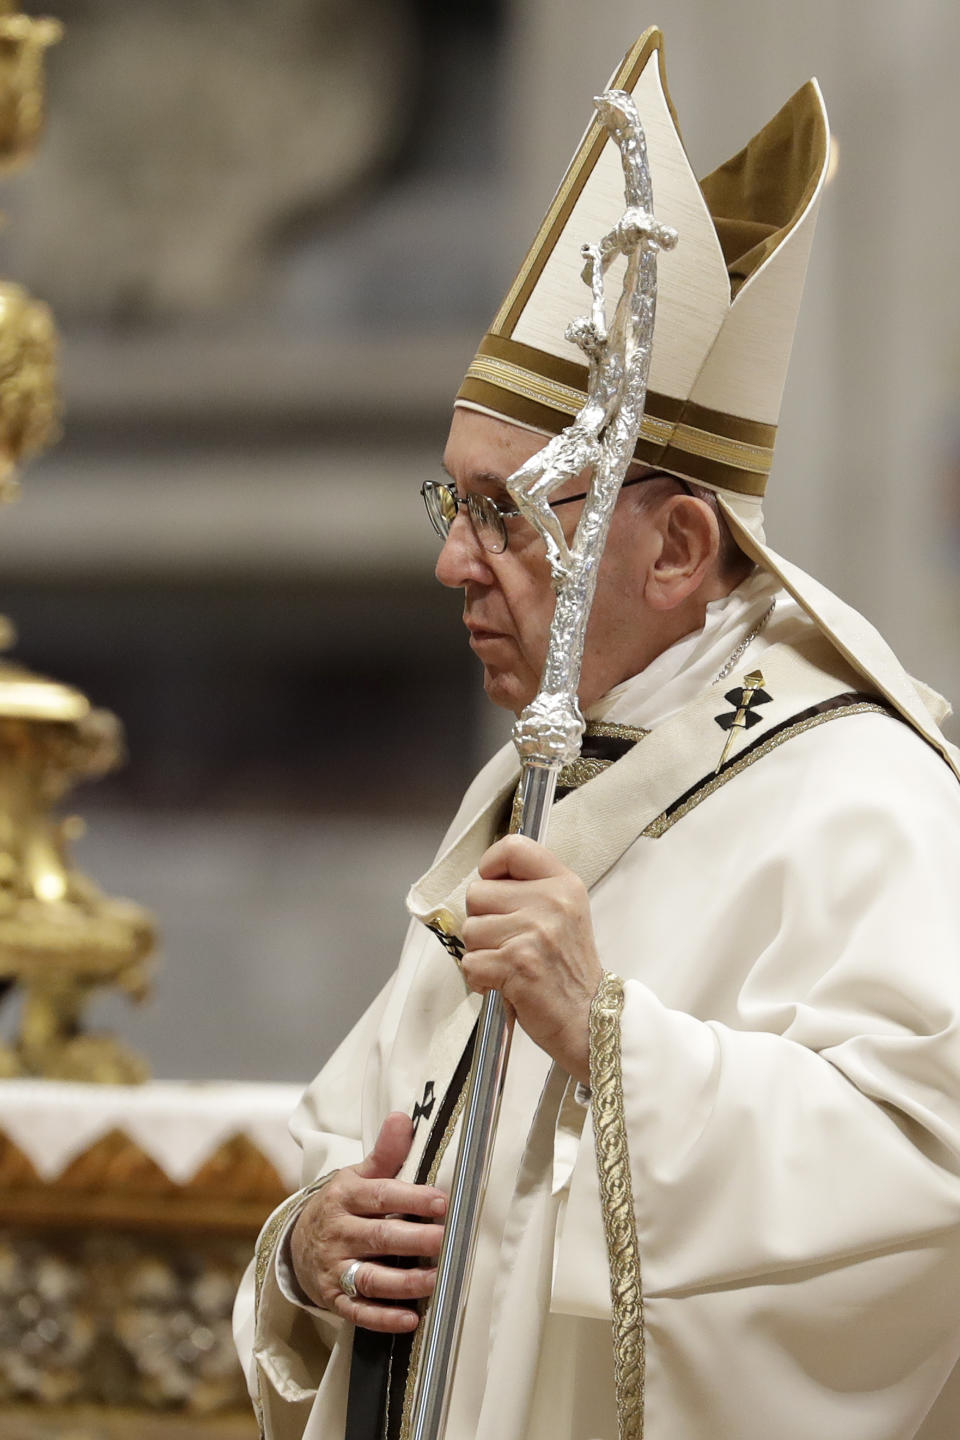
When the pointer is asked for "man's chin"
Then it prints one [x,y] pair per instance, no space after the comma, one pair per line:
[505,690]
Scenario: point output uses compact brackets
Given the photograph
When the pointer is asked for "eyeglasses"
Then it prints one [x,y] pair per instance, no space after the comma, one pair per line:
[443,504]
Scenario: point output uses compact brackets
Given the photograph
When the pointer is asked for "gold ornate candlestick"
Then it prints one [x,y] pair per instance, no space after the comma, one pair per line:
[61,938]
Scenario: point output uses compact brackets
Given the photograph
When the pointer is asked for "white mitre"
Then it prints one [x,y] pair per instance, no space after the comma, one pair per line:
[728,298]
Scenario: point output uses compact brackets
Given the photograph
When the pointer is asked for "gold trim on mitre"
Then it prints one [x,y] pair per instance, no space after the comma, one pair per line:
[546,392]
[727,296]
[727,303]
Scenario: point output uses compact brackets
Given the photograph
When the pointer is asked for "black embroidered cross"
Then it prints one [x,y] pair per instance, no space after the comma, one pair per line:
[424,1108]
[743,714]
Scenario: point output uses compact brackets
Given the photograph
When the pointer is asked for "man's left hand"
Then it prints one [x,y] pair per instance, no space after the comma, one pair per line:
[529,935]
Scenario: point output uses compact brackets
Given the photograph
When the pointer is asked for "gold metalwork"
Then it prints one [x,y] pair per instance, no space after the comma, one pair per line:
[666,821]
[751,684]
[115,1184]
[443,925]
[29,399]
[23,43]
[29,402]
[61,938]
[137,1319]
[125,1261]
[442,920]
[616,1199]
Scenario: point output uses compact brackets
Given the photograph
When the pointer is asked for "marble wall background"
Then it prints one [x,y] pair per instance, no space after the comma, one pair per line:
[272,236]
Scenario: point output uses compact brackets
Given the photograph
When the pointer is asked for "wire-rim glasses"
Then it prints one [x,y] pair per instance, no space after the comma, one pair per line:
[487,517]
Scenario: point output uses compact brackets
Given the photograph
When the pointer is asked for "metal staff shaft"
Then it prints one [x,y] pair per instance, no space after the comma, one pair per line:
[444,1319]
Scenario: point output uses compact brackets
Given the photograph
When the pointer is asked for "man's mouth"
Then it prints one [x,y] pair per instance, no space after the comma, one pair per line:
[480,635]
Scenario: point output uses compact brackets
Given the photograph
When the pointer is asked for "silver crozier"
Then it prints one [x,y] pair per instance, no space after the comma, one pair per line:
[547,735]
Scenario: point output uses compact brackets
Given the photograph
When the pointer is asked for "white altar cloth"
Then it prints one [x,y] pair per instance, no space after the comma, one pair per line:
[178,1124]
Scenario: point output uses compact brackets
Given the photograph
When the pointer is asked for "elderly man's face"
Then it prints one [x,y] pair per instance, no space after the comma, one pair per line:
[508,599]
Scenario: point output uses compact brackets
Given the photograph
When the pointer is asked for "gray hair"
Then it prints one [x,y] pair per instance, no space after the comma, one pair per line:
[732,563]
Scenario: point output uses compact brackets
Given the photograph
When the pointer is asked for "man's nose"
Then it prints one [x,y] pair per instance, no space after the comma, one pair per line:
[462,558]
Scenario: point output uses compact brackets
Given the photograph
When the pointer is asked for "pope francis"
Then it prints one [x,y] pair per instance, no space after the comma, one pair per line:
[724,1201]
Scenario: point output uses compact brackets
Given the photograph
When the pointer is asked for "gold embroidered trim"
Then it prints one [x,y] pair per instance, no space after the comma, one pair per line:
[689,438]
[406,1419]
[664,822]
[579,771]
[447,1135]
[616,1199]
[728,452]
[615,732]
[266,1250]
[669,410]
[527,383]
[553,393]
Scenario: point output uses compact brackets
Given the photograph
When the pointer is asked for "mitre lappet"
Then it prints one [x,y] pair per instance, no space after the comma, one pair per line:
[728,297]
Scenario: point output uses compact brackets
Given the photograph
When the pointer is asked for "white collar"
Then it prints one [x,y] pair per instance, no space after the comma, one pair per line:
[693,662]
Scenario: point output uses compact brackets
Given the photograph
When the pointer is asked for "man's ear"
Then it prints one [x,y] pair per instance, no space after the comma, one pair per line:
[689,543]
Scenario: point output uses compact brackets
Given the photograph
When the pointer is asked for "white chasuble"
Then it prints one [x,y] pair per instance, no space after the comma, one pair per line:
[787,1093]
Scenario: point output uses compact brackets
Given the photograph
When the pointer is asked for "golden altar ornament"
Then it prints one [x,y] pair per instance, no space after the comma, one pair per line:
[61,938]
[29,398]
[23,43]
